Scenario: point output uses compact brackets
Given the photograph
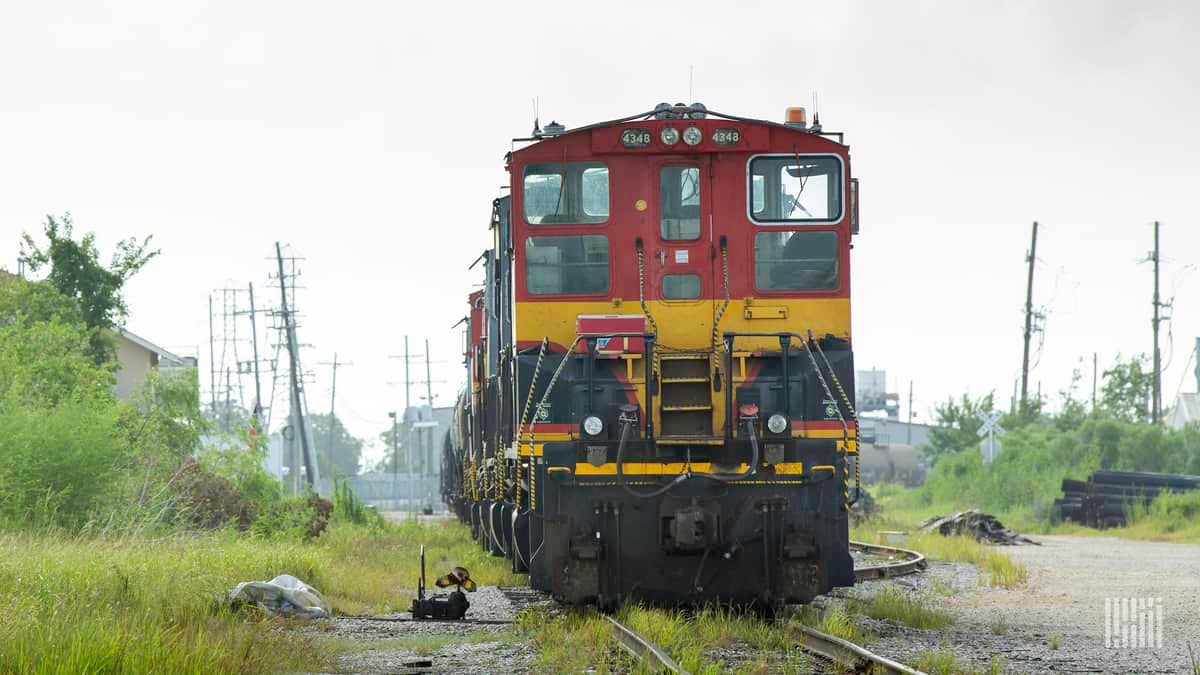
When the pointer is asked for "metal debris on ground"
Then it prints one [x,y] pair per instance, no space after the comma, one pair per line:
[285,595]
[984,527]
[1105,498]
[451,605]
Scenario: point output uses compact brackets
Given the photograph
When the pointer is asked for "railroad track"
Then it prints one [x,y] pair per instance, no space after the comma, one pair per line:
[898,561]
[842,655]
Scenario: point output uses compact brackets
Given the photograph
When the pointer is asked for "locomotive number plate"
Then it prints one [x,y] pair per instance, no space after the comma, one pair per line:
[635,138]
[726,136]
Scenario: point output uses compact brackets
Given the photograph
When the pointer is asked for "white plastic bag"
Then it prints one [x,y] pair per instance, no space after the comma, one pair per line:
[285,595]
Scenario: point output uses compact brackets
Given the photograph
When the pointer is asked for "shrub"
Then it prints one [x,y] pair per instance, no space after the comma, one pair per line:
[210,501]
[348,507]
[242,465]
[57,464]
[293,518]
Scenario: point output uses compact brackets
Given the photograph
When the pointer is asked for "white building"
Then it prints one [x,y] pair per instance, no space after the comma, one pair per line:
[1185,411]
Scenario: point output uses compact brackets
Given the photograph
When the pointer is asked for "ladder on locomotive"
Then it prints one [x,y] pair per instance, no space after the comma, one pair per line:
[686,399]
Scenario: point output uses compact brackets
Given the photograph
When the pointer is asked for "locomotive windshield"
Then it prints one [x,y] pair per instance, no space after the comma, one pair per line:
[795,188]
[796,261]
[566,193]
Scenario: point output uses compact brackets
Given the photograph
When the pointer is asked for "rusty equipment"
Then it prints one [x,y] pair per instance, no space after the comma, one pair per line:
[451,605]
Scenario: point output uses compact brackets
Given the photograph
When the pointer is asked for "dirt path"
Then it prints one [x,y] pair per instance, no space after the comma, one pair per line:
[1056,622]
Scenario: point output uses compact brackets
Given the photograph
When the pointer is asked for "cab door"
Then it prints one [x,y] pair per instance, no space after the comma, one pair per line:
[684,287]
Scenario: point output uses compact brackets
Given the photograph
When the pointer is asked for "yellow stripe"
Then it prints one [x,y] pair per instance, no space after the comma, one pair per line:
[523,449]
[822,433]
[672,468]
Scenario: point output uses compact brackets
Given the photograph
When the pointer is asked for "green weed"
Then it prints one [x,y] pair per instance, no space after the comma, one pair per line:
[942,662]
[905,609]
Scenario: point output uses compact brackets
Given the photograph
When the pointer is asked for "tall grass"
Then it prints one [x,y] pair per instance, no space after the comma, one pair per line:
[1171,516]
[942,662]
[580,640]
[906,609]
[998,569]
[75,604]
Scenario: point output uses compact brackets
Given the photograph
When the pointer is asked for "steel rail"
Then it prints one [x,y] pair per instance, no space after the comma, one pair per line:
[847,655]
[645,651]
[912,562]
[841,652]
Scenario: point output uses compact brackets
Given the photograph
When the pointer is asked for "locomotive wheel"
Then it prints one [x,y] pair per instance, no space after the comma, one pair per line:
[495,526]
[520,541]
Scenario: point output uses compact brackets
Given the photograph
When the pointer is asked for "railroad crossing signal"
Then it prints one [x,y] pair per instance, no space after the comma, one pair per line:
[988,431]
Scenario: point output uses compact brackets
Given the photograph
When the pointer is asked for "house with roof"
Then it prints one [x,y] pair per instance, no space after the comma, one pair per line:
[136,357]
[1185,411]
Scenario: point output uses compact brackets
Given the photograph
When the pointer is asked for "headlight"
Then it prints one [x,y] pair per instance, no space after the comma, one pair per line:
[592,425]
[669,136]
[692,136]
[776,423]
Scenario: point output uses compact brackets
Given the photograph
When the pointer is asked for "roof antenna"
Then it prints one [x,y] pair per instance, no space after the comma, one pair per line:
[816,125]
[690,70]
[537,130]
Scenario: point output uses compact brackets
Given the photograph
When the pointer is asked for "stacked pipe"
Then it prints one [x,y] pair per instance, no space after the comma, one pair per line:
[1107,496]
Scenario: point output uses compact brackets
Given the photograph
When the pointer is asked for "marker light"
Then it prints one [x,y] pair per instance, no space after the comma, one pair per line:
[776,423]
[669,136]
[748,410]
[592,425]
[692,136]
[795,117]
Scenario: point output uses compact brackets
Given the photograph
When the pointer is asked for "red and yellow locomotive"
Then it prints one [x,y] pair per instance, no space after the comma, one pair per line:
[660,378]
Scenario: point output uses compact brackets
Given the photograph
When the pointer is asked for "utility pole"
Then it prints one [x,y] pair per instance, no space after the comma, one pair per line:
[419,444]
[258,408]
[1156,394]
[910,412]
[1094,370]
[408,462]
[212,361]
[395,455]
[298,423]
[427,463]
[1028,317]
[228,404]
[407,380]
[332,400]
[1196,372]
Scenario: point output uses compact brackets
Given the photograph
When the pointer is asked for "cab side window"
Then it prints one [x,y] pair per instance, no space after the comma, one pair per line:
[566,265]
[796,261]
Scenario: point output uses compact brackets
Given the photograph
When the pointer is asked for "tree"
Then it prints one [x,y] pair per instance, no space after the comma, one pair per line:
[957,423]
[1126,391]
[393,455]
[46,364]
[1072,412]
[25,302]
[76,271]
[346,450]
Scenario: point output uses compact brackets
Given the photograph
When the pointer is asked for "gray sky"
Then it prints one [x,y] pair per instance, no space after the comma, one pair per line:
[370,136]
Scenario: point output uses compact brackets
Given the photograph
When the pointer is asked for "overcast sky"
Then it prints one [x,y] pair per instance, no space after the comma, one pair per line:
[370,137]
